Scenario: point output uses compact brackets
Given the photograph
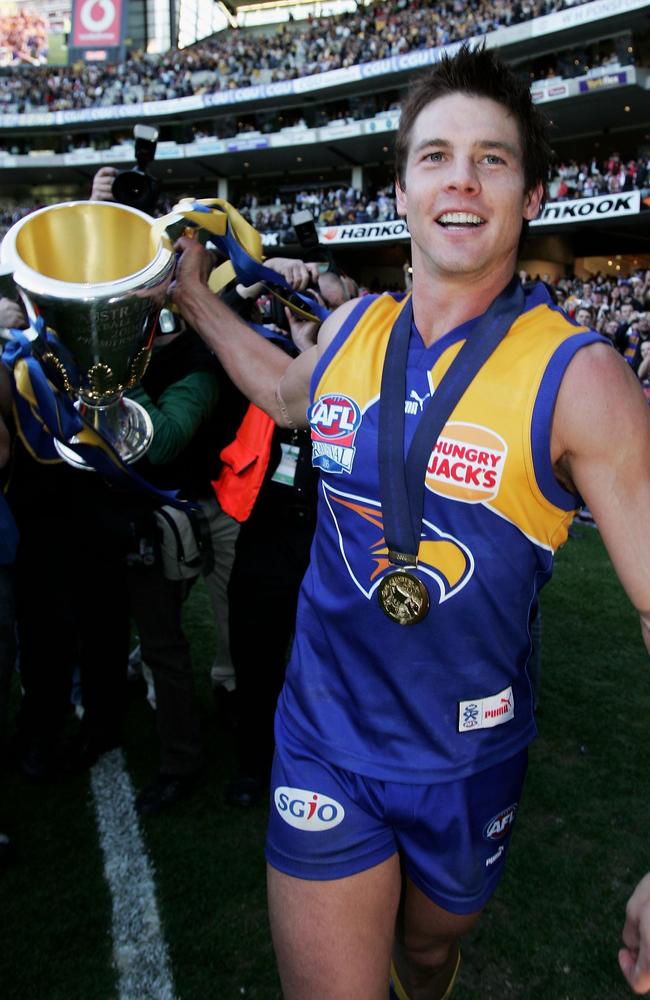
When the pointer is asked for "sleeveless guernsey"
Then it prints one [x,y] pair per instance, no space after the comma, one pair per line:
[449,696]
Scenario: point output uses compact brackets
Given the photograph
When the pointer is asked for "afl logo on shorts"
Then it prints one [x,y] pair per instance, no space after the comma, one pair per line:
[334,423]
[501,824]
[308,811]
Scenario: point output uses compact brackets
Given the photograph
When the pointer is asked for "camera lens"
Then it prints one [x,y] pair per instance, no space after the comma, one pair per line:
[134,188]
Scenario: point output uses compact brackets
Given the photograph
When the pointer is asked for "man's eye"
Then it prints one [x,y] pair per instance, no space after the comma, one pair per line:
[494,158]
[436,157]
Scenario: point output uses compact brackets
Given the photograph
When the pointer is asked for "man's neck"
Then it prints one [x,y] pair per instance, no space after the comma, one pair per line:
[441,305]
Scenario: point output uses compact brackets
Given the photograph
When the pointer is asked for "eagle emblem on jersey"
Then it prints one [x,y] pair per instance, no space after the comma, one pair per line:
[360,528]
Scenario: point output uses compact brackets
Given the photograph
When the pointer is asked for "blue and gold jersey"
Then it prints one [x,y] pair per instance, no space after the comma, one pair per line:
[450,695]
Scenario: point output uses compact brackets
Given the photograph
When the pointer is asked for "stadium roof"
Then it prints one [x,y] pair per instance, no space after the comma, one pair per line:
[250,12]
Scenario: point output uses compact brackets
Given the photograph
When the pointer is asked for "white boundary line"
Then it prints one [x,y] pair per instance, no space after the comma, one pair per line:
[139,949]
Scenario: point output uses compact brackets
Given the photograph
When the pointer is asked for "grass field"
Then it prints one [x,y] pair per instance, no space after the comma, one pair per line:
[552,931]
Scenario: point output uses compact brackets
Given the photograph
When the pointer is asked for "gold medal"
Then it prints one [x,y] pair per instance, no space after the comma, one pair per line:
[403,597]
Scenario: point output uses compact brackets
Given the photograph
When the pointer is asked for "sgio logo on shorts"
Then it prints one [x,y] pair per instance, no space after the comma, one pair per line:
[307,810]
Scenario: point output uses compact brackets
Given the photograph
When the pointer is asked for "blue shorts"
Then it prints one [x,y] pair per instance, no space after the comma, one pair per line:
[452,838]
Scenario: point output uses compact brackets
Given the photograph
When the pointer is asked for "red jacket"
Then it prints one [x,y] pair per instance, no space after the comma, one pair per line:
[245,461]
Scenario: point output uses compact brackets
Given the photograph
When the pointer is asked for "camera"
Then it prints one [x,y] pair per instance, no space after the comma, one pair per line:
[136,187]
[305,228]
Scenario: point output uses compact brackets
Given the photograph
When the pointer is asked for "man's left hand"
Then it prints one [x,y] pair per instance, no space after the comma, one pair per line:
[634,957]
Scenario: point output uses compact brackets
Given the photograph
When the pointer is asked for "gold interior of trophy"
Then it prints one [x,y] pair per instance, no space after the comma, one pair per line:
[86,243]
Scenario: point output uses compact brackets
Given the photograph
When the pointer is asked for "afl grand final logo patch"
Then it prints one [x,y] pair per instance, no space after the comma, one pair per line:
[334,421]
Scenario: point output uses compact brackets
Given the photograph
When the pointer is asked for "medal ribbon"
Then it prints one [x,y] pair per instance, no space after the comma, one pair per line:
[401,483]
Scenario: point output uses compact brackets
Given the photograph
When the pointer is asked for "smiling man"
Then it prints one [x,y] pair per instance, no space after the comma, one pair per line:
[402,729]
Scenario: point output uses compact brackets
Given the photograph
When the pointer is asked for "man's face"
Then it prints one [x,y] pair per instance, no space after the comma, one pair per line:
[626,311]
[464,194]
[583,317]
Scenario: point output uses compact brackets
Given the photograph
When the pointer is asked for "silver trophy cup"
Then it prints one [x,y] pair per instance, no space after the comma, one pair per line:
[97,273]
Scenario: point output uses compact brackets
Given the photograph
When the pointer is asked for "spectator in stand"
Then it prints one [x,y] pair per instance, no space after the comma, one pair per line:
[608,329]
[643,370]
[584,316]
[625,313]
[628,294]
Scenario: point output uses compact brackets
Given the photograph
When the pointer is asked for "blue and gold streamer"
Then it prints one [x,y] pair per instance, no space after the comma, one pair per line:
[45,412]
[236,239]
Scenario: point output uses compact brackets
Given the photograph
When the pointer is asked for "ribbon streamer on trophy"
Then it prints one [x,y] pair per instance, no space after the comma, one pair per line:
[227,230]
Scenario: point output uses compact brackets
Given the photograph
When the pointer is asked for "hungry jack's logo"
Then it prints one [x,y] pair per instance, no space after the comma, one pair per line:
[467,463]
[360,529]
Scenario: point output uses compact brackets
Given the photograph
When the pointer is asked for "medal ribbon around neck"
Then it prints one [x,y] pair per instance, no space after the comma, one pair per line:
[402,483]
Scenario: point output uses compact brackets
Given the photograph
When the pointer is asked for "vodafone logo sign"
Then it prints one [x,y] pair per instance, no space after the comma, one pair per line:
[96,22]
[97,15]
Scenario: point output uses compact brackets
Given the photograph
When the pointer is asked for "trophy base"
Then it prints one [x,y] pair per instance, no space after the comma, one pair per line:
[125,424]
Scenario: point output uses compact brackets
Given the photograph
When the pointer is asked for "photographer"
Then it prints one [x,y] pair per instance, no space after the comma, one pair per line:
[102,189]
[135,187]
[272,551]
[194,410]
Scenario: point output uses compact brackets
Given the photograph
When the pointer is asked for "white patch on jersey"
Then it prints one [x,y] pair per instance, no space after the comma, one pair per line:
[484,713]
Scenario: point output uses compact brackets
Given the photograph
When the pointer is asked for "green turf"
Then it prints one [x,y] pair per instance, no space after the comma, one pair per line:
[551,932]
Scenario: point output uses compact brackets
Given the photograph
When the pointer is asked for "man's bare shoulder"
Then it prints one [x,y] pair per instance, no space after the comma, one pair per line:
[333,324]
[596,379]
[600,406]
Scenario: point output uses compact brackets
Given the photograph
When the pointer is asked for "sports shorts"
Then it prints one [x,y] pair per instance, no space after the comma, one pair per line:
[452,838]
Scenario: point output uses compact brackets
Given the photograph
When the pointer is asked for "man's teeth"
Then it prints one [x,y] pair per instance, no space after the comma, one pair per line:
[460,219]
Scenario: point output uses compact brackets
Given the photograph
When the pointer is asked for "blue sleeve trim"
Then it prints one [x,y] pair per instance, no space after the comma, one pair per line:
[344,332]
[543,419]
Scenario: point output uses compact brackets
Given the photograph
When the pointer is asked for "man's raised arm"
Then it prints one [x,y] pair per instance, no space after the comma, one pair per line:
[272,380]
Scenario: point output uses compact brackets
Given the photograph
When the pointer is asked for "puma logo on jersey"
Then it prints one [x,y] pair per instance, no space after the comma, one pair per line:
[415,403]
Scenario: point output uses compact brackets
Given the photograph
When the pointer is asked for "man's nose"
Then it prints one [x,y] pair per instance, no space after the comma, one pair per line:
[463,175]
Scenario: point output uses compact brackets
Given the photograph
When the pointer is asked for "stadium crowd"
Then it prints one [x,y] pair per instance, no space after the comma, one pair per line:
[234,59]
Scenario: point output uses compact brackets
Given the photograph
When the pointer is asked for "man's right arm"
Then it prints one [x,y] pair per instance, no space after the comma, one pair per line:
[267,376]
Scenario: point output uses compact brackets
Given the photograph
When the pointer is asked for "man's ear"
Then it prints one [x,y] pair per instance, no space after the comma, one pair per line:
[532,201]
[400,199]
